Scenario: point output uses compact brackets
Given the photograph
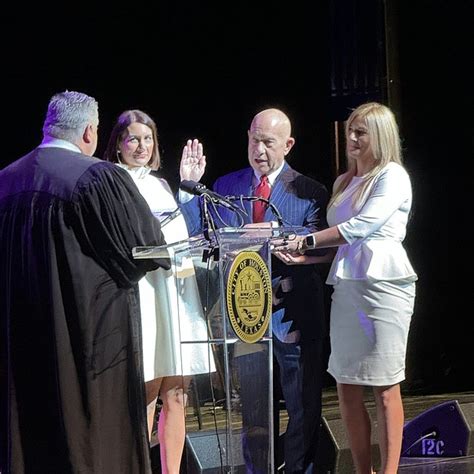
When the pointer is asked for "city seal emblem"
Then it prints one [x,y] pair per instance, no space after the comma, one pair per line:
[249,296]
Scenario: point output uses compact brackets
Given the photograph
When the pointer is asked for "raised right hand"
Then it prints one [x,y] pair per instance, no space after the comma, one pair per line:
[193,161]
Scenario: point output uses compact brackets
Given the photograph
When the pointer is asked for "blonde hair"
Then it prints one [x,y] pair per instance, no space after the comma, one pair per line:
[384,142]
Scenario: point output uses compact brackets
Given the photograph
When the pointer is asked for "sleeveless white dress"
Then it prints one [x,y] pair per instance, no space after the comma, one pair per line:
[373,280]
[170,316]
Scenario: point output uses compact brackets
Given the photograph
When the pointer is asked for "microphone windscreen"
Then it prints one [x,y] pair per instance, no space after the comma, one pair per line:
[189,186]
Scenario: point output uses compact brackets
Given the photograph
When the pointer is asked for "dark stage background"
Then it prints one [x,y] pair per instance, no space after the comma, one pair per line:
[204,70]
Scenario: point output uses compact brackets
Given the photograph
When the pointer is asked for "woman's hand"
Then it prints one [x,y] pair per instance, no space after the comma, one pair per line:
[193,161]
[290,244]
[293,258]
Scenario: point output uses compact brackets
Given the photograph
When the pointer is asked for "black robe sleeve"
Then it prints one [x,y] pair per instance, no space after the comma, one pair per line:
[113,217]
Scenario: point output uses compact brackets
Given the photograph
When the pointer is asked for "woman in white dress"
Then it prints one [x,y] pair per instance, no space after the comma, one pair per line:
[374,282]
[167,315]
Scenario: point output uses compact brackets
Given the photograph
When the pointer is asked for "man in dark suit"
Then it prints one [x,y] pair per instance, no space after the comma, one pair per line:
[298,313]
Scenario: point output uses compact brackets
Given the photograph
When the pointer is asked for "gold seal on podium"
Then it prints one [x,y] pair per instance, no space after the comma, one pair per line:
[249,296]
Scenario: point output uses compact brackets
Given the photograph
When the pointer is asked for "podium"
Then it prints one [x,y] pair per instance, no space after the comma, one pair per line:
[229,421]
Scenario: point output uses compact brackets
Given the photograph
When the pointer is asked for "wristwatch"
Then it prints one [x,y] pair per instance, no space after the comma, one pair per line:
[308,243]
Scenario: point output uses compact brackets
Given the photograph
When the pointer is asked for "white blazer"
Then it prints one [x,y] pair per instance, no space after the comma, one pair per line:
[375,231]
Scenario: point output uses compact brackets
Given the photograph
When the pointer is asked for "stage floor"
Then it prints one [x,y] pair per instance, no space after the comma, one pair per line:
[211,417]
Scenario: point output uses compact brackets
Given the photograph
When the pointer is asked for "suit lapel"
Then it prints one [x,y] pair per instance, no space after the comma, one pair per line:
[281,190]
[246,189]
[243,187]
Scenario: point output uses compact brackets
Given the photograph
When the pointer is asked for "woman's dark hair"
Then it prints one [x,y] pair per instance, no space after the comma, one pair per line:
[124,120]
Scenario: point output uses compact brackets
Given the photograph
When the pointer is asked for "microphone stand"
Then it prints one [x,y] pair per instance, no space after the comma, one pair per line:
[208,224]
[173,215]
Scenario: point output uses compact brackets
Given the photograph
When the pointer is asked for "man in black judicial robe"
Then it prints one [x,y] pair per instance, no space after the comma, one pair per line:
[71,383]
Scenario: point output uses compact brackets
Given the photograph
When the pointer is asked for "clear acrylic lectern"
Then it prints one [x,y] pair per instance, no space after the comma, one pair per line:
[229,422]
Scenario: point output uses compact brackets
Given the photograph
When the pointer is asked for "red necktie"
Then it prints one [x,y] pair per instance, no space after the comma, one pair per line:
[259,207]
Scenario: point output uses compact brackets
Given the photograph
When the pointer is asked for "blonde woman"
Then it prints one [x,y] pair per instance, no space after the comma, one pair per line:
[373,280]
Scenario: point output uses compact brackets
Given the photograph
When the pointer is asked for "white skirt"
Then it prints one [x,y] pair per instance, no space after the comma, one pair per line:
[174,329]
[369,331]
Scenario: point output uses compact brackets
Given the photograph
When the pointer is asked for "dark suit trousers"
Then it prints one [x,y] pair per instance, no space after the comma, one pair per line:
[300,379]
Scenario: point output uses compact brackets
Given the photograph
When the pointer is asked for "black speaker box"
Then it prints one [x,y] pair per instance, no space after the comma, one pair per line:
[445,430]
[206,453]
[334,455]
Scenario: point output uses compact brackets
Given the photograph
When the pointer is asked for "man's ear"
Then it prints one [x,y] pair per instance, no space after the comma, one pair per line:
[88,135]
[289,145]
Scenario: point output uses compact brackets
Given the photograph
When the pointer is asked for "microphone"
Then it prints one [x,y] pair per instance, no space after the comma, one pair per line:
[199,189]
